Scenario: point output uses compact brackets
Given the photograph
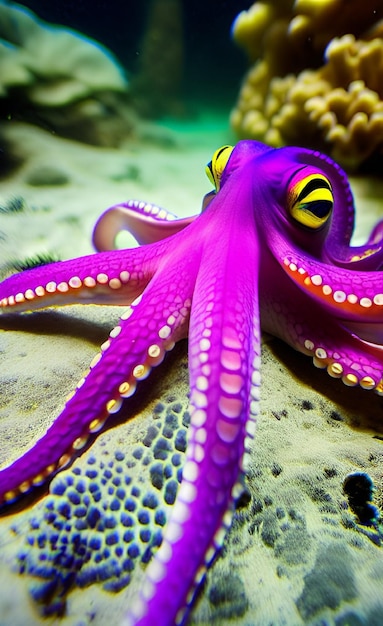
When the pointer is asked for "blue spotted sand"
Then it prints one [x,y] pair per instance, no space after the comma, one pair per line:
[97,523]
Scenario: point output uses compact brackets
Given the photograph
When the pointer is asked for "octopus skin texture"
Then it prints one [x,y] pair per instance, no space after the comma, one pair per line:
[271,249]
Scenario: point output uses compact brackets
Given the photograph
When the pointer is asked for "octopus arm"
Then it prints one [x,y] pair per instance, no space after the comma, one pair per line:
[376,235]
[353,296]
[105,278]
[224,357]
[147,223]
[146,331]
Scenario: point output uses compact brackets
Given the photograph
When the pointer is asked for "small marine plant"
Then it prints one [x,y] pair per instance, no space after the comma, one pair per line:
[15,204]
[38,260]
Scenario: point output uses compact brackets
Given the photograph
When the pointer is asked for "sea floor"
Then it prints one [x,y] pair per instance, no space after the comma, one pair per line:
[296,553]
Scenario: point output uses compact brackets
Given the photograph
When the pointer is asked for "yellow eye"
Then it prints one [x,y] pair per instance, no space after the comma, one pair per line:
[214,169]
[310,200]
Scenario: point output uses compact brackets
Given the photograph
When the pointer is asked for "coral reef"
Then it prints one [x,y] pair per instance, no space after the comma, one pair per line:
[59,79]
[316,78]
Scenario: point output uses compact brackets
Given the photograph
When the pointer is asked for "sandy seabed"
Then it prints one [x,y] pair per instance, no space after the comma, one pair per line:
[295,554]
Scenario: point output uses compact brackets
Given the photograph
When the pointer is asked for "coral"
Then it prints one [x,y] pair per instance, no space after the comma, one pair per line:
[312,84]
[293,34]
[56,77]
[98,522]
[322,21]
[263,32]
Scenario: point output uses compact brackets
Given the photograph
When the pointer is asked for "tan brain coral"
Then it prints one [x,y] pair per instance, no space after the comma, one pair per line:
[320,21]
[338,106]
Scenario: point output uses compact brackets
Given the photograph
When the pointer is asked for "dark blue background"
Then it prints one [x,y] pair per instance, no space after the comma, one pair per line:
[214,66]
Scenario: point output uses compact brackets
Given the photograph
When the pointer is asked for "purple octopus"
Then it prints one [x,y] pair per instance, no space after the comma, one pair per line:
[271,250]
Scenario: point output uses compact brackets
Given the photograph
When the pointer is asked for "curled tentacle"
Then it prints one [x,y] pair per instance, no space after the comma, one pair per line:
[147,223]
[376,235]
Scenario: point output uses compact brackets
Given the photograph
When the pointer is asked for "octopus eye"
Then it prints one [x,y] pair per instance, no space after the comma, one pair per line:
[310,200]
[214,169]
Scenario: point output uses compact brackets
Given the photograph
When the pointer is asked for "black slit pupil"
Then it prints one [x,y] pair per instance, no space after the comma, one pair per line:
[316,183]
[320,208]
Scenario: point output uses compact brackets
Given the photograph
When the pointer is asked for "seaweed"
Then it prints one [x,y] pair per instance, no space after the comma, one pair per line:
[38,260]
[15,204]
